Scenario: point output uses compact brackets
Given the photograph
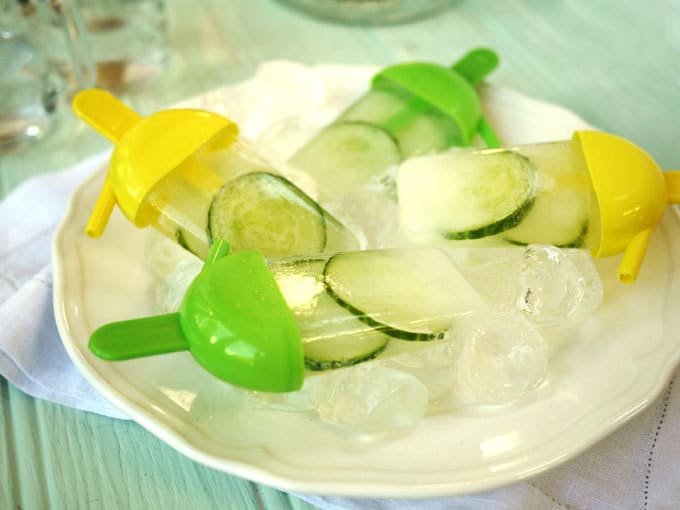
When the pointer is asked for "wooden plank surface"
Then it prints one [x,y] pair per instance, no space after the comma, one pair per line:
[615,63]
[58,458]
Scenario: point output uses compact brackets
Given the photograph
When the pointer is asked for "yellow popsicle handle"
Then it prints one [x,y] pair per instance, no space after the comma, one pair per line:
[112,118]
[101,212]
[672,178]
[632,257]
[105,113]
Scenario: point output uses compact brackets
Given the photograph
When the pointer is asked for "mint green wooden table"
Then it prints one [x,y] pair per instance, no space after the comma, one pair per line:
[615,63]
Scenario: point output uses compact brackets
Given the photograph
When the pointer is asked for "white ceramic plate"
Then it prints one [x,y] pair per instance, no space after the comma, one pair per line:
[615,365]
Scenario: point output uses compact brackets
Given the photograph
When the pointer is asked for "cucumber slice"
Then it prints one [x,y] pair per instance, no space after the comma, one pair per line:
[332,337]
[338,236]
[411,294]
[559,217]
[199,246]
[346,155]
[268,213]
[464,195]
[506,222]
[417,127]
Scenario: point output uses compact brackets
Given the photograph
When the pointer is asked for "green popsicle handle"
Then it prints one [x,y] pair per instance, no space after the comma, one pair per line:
[218,249]
[138,338]
[148,336]
[487,134]
[476,64]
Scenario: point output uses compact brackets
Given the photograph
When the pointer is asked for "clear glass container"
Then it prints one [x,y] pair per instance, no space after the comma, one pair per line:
[127,41]
[370,12]
[32,90]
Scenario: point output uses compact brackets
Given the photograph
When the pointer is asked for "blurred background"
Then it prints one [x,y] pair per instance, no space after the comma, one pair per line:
[613,63]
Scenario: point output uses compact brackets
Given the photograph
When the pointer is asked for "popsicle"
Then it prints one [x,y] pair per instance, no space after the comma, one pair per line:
[597,191]
[413,108]
[258,324]
[186,173]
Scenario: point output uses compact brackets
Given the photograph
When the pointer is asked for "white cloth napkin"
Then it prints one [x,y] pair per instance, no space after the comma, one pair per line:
[637,467]
[32,356]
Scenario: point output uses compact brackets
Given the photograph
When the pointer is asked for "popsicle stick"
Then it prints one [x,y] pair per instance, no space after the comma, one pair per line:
[138,338]
[488,134]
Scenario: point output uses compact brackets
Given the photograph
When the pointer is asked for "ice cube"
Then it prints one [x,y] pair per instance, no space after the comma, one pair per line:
[303,400]
[162,255]
[371,211]
[172,287]
[433,365]
[558,287]
[492,271]
[502,357]
[370,398]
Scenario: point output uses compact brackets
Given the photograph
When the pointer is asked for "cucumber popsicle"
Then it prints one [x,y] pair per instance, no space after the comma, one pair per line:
[596,191]
[411,109]
[534,194]
[267,324]
[187,174]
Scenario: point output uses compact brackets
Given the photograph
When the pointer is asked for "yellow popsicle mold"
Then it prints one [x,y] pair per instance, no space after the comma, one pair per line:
[632,195]
[147,149]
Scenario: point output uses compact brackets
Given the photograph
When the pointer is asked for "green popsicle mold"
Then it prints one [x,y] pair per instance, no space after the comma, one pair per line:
[233,319]
[450,90]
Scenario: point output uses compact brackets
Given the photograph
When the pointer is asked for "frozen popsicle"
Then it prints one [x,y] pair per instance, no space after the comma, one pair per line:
[258,325]
[411,109]
[596,191]
[186,173]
